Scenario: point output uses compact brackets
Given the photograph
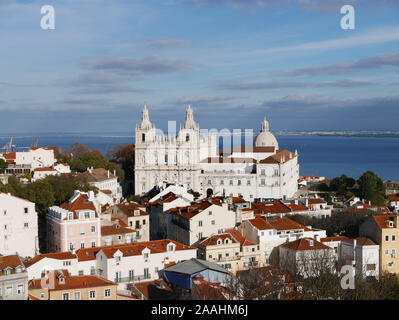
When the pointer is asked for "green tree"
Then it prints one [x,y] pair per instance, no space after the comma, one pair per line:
[371,187]
[3,166]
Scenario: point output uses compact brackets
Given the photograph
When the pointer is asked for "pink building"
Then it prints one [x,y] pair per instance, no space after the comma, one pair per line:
[74,224]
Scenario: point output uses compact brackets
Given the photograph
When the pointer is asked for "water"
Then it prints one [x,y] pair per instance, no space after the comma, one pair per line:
[318,155]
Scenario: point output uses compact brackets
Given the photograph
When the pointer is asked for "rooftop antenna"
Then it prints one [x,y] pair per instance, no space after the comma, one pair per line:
[36,143]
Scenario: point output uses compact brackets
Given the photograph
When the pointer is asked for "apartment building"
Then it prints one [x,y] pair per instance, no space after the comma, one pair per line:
[13,278]
[103,179]
[199,220]
[384,231]
[230,250]
[270,232]
[134,216]
[306,257]
[60,285]
[123,264]
[158,206]
[116,232]
[73,224]
[18,226]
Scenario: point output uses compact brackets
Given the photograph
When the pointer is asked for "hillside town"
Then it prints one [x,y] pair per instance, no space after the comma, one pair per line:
[180,219]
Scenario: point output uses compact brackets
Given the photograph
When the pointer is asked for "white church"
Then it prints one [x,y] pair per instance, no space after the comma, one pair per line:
[261,171]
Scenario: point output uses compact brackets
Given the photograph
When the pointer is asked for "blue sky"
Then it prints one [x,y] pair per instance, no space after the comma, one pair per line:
[234,61]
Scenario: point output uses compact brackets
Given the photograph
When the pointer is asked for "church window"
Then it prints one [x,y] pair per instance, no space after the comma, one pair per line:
[221,182]
[166,158]
[187,137]
[143,137]
[239,182]
[231,182]
[248,182]
[209,182]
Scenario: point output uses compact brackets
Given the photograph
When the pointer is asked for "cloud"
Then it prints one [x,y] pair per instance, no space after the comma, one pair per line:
[204,101]
[269,85]
[310,102]
[132,66]
[167,43]
[391,59]
[101,83]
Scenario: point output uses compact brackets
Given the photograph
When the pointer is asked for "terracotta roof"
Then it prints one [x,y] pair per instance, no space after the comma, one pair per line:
[381,221]
[111,230]
[285,223]
[212,240]
[106,191]
[97,175]
[315,200]
[44,169]
[276,158]
[154,290]
[249,149]
[274,208]
[239,237]
[191,211]
[228,160]
[209,291]
[67,255]
[80,203]
[393,197]
[10,156]
[361,241]
[128,208]
[260,224]
[71,282]
[332,239]
[305,244]
[11,261]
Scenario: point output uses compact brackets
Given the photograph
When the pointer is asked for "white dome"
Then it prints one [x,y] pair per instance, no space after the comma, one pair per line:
[265,138]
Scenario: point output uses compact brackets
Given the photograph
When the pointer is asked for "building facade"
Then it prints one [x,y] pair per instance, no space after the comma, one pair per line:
[261,171]
[13,278]
[19,226]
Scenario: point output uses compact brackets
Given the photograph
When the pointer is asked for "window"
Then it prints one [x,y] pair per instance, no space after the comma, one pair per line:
[200,235]
[170,247]
[41,296]
[370,267]
[213,222]
[143,222]
[239,182]
[156,270]
[390,264]
[26,225]
[118,258]
[393,251]
[209,181]
[82,245]
[146,255]
[166,158]
[137,224]
[93,243]
[65,296]
[131,274]
[386,251]
[107,293]
[82,230]
[143,137]
[248,182]
[231,182]
[393,238]
[187,137]
[92,294]
[81,273]
[4,212]
[146,273]
[20,289]
[93,229]
[77,295]
[262,172]
[262,181]
[210,213]
[386,238]
[200,223]
[26,210]
[87,215]
[71,231]
[221,182]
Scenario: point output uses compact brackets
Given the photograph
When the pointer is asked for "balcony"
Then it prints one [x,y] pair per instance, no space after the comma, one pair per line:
[133,279]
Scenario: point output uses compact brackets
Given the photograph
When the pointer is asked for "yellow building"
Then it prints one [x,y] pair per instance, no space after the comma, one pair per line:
[384,230]
[59,285]
[230,250]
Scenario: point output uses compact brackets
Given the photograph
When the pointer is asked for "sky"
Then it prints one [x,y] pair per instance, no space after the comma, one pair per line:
[234,61]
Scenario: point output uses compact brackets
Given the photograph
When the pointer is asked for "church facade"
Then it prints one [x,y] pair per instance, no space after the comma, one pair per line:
[261,171]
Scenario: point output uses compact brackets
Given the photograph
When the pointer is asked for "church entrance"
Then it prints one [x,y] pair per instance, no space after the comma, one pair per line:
[209,193]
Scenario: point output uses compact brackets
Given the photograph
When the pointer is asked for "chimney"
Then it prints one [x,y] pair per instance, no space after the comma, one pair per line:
[114,172]
[317,237]
[108,173]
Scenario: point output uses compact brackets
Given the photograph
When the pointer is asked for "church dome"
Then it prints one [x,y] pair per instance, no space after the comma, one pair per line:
[265,138]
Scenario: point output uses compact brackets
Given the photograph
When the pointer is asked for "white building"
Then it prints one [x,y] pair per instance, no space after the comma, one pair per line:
[19,226]
[259,171]
[306,257]
[125,263]
[27,161]
[104,180]
[13,278]
[41,173]
[74,224]
[270,232]
[200,220]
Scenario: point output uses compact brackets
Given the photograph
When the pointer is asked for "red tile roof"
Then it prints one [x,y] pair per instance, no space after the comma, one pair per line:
[305,244]
[80,203]
[154,290]
[11,261]
[44,169]
[276,158]
[129,208]
[315,200]
[332,239]
[228,160]
[361,241]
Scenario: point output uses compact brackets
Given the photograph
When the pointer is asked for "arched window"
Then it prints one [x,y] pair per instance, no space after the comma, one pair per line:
[187,137]
[143,137]
[166,158]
